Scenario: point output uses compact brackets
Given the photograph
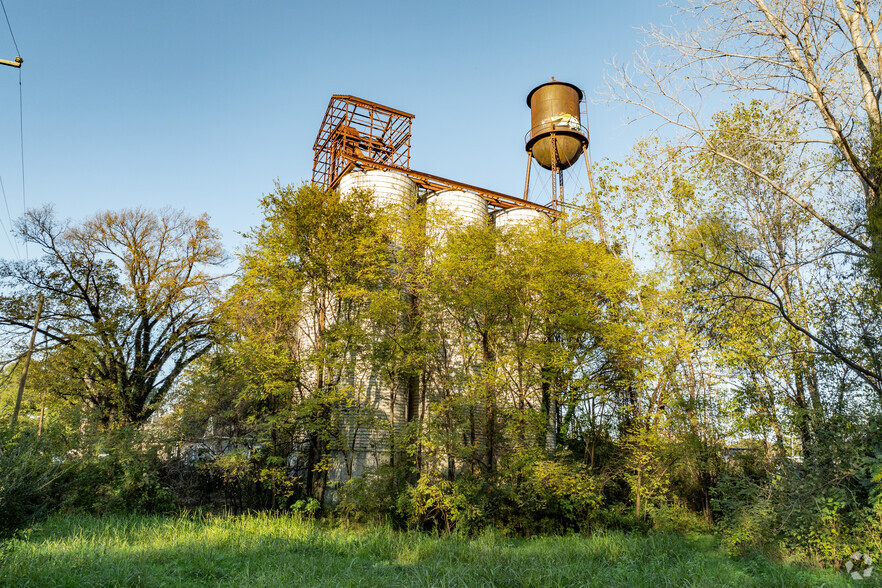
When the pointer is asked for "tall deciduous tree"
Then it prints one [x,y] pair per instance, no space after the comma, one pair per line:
[819,63]
[315,309]
[530,323]
[818,60]
[130,302]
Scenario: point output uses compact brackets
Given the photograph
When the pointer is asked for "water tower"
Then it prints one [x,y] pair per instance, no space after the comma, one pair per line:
[557,136]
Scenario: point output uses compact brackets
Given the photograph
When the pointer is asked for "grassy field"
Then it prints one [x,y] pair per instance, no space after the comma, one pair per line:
[282,551]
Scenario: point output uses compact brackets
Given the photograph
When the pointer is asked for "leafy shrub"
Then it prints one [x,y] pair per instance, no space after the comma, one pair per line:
[440,504]
[548,496]
[121,472]
[619,516]
[867,533]
[750,528]
[806,508]
[371,498]
[744,504]
[873,479]
[32,480]
[523,497]
[306,508]
[191,485]
[676,518]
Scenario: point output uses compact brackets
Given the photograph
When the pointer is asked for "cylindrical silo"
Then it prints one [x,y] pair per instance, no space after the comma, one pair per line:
[556,134]
[519,216]
[454,366]
[374,398]
[393,192]
[458,207]
[452,208]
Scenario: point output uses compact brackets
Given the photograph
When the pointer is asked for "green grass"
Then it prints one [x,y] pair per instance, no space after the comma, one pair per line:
[263,550]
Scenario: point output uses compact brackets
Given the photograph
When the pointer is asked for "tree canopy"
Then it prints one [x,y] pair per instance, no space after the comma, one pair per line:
[131,301]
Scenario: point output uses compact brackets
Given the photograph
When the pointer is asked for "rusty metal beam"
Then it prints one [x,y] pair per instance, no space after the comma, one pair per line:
[436,183]
[360,133]
[363,128]
[370,104]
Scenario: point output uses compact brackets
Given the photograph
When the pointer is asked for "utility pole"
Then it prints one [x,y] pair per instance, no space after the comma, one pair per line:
[43,394]
[27,363]
[24,372]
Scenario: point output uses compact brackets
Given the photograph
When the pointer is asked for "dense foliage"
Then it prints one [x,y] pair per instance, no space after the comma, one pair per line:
[545,385]
[707,355]
[129,304]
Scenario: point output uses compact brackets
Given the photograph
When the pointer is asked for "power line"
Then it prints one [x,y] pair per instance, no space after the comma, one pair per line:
[14,250]
[9,216]
[24,200]
[17,64]
[5,201]
[11,34]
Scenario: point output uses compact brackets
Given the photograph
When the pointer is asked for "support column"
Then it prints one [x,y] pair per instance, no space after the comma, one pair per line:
[598,220]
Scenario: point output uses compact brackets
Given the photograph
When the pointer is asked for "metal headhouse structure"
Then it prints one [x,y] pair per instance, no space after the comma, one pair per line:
[359,135]
[362,145]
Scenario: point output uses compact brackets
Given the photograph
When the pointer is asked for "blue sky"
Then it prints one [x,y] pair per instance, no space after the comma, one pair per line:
[201,105]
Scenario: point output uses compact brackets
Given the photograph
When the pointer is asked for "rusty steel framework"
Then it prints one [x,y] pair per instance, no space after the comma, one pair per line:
[356,128]
[357,134]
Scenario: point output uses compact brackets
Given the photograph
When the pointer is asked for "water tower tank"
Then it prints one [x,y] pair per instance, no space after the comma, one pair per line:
[555,121]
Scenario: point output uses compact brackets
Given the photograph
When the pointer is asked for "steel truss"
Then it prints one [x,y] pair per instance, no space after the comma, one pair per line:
[357,134]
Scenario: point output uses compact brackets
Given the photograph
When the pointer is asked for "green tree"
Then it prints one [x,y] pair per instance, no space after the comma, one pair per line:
[529,322]
[668,405]
[312,313]
[130,303]
[817,63]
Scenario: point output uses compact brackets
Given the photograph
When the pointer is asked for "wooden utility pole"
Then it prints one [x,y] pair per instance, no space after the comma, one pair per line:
[27,363]
[42,412]
[17,63]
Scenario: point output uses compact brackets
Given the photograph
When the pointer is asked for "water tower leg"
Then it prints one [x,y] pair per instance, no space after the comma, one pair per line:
[598,221]
[527,182]
[561,185]
[554,172]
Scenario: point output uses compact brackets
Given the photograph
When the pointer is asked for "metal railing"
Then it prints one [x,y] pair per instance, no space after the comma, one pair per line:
[552,127]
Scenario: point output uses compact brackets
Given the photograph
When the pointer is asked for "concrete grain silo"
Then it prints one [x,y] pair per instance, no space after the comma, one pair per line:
[450,209]
[365,145]
[376,399]
[457,206]
[455,365]
[511,217]
[392,191]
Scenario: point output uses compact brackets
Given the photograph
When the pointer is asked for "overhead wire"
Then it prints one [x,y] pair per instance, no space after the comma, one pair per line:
[536,188]
[574,183]
[8,216]
[24,200]
[544,189]
[11,34]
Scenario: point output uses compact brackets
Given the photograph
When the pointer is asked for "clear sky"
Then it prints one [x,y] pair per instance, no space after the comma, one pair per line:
[201,105]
